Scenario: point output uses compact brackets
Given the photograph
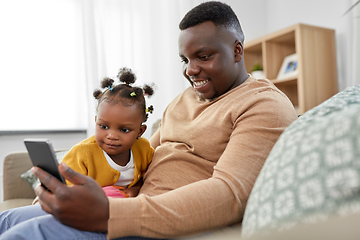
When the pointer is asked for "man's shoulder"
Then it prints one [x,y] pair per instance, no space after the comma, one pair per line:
[184,97]
[256,83]
[260,94]
[188,92]
[253,87]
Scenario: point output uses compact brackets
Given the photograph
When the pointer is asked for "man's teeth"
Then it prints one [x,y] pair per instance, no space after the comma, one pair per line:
[199,83]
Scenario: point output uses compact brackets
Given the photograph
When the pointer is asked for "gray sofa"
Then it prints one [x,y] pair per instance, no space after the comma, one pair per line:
[17,192]
[308,188]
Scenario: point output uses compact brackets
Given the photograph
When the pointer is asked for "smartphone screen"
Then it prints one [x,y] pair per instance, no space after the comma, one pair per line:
[42,155]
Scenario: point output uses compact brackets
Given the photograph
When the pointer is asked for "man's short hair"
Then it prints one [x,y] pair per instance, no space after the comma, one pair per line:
[219,13]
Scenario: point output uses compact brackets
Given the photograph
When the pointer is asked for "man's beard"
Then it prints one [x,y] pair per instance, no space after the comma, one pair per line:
[202,99]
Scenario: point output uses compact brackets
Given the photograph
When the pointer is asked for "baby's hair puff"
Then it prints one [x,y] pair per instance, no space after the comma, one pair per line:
[124,92]
[126,76]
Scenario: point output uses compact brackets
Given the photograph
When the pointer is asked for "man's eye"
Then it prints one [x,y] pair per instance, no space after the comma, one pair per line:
[205,57]
[124,130]
[103,126]
[183,60]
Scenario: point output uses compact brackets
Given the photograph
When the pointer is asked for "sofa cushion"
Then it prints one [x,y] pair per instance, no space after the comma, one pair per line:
[313,170]
[14,186]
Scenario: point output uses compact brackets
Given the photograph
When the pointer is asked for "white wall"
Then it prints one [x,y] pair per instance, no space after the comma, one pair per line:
[252,16]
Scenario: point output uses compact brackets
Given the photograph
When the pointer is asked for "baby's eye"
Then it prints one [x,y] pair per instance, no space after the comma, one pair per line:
[104,127]
[125,130]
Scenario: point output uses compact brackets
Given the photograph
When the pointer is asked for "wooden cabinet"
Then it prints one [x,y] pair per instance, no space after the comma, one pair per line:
[316,78]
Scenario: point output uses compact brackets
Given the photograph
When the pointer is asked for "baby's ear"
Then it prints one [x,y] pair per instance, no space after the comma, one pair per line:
[142,130]
[95,118]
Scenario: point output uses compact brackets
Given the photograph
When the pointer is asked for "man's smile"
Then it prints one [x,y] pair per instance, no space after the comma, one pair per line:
[200,83]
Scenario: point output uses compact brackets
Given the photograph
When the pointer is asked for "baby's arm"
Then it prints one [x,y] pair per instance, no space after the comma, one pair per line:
[134,190]
[121,192]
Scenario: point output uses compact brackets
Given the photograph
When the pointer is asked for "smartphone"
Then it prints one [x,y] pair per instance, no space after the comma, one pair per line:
[42,155]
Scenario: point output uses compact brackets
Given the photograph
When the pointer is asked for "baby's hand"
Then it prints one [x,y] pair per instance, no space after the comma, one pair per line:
[132,191]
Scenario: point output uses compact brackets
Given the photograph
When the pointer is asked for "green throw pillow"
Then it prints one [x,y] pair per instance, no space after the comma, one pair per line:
[313,170]
[29,177]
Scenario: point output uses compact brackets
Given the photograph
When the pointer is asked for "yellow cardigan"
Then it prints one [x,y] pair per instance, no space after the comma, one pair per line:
[88,158]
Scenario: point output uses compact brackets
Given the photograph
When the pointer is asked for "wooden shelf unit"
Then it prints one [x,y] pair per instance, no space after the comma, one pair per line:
[315,48]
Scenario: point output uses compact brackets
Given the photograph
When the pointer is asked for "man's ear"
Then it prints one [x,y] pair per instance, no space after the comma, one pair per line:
[142,130]
[239,51]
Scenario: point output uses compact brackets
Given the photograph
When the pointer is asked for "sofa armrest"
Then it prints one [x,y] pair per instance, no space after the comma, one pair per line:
[14,203]
[14,186]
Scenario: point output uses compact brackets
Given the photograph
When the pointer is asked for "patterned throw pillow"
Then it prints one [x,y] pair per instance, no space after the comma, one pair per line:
[29,177]
[313,170]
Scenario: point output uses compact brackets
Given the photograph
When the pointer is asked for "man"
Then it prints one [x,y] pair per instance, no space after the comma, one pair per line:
[210,147]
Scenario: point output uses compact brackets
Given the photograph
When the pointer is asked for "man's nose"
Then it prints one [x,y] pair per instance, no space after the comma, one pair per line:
[192,68]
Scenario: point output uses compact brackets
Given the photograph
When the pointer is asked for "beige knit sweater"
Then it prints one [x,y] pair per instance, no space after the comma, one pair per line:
[207,157]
